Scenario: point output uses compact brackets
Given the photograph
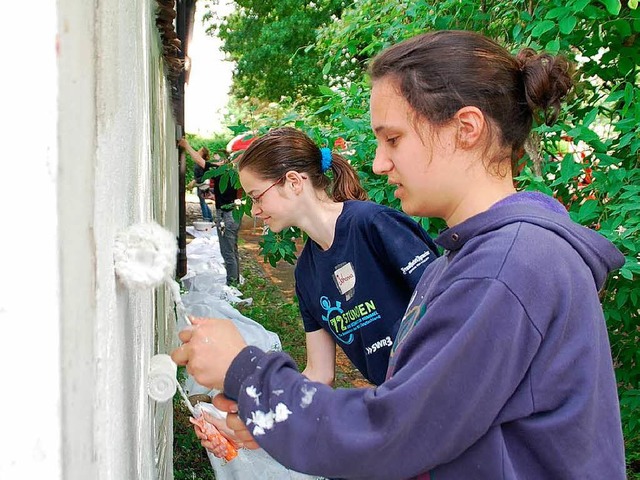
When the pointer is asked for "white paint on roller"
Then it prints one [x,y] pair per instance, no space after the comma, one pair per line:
[162,383]
[144,255]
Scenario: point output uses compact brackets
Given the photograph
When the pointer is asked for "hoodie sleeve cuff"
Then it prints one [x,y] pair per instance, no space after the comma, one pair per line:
[241,367]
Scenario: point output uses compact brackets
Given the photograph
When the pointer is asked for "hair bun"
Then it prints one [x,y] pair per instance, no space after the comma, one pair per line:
[547,80]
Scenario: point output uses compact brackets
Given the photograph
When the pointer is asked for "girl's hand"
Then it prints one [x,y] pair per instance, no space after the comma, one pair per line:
[234,422]
[209,347]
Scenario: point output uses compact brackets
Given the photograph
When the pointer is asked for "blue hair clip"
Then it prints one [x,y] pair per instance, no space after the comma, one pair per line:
[326,158]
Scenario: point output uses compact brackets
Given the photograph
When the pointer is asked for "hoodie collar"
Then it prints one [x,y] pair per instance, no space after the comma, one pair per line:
[598,253]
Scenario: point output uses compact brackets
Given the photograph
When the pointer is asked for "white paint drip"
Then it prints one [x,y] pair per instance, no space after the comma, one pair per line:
[253,393]
[264,421]
[307,395]
[282,412]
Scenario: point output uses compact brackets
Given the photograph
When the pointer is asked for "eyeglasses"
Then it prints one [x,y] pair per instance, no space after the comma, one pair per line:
[257,200]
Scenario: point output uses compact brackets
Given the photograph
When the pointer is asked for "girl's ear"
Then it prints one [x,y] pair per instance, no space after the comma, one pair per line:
[295,181]
[472,127]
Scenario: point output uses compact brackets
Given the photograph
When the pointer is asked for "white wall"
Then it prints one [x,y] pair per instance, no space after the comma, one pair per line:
[90,120]
[29,281]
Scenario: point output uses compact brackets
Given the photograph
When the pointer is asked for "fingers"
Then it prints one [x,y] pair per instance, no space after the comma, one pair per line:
[199,433]
[252,445]
[240,431]
[217,450]
[185,334]
[225,431]
[195,321]
[210,345]
[219,423]
[235,423]
[180,355]
[211,440]
[221,402]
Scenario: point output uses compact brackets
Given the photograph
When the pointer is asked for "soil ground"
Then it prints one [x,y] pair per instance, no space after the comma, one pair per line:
[281,275]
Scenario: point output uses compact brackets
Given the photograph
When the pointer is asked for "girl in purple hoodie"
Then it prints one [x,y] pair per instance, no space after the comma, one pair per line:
[501,368]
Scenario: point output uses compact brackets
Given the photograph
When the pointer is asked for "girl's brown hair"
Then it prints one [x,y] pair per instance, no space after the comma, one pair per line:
[204,153]
[440,72]
[283,149]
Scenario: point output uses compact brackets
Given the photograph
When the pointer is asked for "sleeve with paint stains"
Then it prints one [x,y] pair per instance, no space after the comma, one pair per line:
[453,374]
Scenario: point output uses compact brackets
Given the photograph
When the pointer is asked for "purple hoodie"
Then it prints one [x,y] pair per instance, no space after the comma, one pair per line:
[501,368]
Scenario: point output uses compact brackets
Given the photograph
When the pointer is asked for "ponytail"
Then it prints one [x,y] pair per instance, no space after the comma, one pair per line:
[346,183]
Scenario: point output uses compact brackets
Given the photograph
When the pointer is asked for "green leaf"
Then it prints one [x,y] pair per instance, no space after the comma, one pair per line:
[326,91]
[626,273]
[612,6]
[557,12]
[569,169]
[542,27]
[567,24]
[579,5]
[590,117]
[517,31]
[350,124]
[327,68]
[588,210]
[633,4]
[623,26]
[553,46]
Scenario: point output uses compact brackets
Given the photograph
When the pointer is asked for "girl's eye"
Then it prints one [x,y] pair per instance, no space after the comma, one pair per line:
[392,141]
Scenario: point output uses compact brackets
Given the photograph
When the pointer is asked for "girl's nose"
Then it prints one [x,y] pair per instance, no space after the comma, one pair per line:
[381,163]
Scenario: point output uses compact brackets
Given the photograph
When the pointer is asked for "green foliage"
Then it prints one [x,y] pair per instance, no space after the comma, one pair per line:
[280,246]
[266,40]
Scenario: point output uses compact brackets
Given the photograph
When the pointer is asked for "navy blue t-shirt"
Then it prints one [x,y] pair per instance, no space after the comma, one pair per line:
[359,289]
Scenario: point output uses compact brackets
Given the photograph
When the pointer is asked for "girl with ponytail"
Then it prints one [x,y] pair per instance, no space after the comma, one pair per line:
[361,262]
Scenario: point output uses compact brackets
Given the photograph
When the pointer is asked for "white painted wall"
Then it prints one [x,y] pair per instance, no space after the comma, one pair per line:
[29,284]
[89,120]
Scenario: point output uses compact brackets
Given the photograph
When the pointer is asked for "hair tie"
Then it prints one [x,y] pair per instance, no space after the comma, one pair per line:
[326,158]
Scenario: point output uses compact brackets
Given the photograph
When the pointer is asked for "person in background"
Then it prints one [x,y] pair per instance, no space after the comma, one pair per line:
[203,186]
[502,367]
[227,225]
[225,201]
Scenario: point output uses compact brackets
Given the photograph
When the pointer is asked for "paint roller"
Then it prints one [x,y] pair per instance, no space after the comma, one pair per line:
[144,257]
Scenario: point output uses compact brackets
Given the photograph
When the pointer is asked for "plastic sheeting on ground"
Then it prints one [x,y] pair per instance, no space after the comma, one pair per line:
[208,296]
